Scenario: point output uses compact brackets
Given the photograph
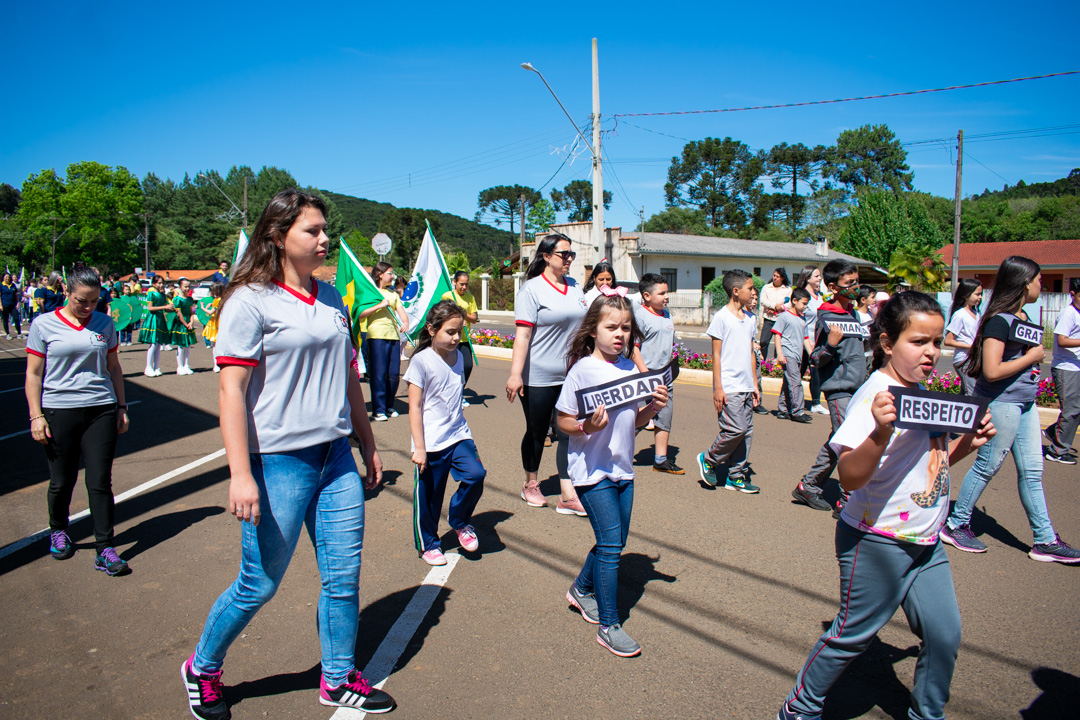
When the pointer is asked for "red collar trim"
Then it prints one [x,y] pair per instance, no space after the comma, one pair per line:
[646,307]
[832,307]
[310,300]
[68,322]
[794,313]
[566,285]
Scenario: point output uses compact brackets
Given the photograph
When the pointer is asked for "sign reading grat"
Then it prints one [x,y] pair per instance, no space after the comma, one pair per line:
[618,393]
[925,410]
[1026,333]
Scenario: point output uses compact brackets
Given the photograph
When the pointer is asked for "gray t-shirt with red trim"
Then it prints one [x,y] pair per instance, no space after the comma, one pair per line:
[76,359]
[554,316]
[300,354]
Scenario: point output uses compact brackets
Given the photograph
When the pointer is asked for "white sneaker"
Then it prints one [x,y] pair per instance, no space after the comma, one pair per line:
[394,413]
[217,369]
[150,373]
[464,402]
[379,418]
[820,409]
[167,348]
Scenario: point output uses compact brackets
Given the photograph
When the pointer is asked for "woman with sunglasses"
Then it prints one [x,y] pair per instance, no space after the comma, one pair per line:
[548,309]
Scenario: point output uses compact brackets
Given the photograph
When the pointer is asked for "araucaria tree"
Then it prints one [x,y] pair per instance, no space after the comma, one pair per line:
[869,156]
[505,202]
[721,178]
[788,165]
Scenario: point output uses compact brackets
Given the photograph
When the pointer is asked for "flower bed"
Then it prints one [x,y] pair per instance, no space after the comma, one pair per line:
[490,338]
[1046,395]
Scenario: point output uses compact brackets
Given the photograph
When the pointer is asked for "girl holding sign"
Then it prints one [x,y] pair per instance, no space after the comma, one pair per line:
[601,458]
[1006,370]
[963,325]
[899,485]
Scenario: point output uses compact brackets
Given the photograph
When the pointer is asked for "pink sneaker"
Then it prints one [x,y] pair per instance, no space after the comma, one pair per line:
[467,537]
[533,496]
[571,507]
[434,556]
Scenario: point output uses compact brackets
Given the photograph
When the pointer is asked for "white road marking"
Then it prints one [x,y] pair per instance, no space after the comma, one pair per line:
[149,484]
[386,656]
[27,432]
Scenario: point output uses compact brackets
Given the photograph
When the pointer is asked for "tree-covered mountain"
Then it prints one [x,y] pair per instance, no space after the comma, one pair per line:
[1069,185]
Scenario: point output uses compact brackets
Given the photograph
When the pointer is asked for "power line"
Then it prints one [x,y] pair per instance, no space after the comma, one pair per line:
[853,99]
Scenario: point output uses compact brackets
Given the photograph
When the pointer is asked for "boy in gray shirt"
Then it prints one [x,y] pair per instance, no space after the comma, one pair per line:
[655,323]
[789,338]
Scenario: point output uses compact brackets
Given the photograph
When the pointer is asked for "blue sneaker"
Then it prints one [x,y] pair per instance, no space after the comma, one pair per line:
[787,713]
[708,472]
[110,563]
[60,546]
[741,485]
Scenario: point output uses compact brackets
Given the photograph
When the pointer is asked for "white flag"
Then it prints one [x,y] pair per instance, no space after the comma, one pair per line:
[241,246]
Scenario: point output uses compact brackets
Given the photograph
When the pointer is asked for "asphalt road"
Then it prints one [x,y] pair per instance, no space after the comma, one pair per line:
[725,592]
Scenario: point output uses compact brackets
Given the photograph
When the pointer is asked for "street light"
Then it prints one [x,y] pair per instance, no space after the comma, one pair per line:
[530,68]
[235,211]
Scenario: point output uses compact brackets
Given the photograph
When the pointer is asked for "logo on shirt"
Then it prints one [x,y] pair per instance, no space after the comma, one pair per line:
[97,340]
[584,302]
[341,323]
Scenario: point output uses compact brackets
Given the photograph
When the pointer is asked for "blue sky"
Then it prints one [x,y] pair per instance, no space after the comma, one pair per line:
[424,104]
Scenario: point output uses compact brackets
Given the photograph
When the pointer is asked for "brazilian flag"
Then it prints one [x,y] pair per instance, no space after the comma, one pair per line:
[357,288]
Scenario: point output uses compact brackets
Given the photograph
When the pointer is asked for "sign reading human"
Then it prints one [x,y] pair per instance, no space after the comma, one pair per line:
[850,329]
[937,411]
[617,393]
[1026,333]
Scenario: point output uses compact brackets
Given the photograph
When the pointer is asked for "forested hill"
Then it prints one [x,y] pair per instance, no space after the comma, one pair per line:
[482,243]
[1062,186]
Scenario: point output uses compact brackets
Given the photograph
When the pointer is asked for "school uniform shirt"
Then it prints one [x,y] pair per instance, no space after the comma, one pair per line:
[811,313]
[736,349]
[300,352]
[1068,324]
[444,420]
[963,325]
[608,453]
[791,327]
[554,315]
[49,299]
[76,359]
[907,498]
[381,325]
[659,332]
[1019,387]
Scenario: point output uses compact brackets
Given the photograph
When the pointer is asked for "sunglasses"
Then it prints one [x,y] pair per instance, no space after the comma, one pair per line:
[566,255]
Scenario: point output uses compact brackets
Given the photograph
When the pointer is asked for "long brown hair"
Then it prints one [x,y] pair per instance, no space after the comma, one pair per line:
[583,342]
[263,261]
[439,313]
[545,247]
[1010,287]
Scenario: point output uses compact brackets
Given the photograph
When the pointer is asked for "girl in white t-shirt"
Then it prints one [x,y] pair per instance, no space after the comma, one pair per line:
[603,275]
[601,458]
[963,326]
[899,484]
[442,443]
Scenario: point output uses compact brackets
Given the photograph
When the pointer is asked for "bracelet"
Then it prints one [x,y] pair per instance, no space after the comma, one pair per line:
[37,417]
[581,427]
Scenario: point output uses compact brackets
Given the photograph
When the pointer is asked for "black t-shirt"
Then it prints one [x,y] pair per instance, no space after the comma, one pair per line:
[1019,387]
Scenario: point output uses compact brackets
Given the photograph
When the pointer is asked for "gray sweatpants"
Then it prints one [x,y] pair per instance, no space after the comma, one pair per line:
[730,451]
[791,394]
[814,480]
[1064,430]
[889,574]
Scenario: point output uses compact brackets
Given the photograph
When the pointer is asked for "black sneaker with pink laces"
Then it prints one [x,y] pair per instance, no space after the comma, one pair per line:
[205,700]
[355,692]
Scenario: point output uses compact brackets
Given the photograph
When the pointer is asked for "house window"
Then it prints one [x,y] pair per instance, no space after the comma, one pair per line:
[671,277]
[757,271]
[708,274]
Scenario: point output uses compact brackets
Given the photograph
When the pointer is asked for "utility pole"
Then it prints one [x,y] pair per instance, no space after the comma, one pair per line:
[244,225]
[641,227]
[146,241]
[956,211]
[521,241]
[598,235]
[52,257]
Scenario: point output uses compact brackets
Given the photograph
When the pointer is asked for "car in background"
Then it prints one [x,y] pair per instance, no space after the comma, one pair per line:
[201,290]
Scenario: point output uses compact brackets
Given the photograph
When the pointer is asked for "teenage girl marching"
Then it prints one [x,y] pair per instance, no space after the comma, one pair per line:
[601,459]
[155,329]
[963,326]
[899,484]
[183,331]
[1007,372]
[442,443]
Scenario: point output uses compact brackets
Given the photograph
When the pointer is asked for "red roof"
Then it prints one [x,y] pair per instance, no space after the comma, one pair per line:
[1048,253]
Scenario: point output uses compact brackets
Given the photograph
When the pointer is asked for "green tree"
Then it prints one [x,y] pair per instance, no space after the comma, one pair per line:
[504,202]
[883,222]
[918,266]
[106,206]
[787,165]
[540,217]
[576,198]
[406,227]
[41,215]
[10,197]
[457,261]
[869,156]
[720,178]
[683,221]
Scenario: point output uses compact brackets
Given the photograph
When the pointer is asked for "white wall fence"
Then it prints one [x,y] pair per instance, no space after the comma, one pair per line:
[686,308]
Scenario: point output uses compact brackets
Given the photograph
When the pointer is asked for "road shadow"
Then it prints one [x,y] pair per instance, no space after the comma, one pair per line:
[379,617]
[273,685]
[636,570]
[484,523]
[475,398]
[156,530]
[389,477]
[1060,695]
[870,681]
[983,524]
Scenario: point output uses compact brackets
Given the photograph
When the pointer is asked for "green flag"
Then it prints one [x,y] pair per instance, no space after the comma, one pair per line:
[357,288]
[203,309]
[121,313]
[430,280]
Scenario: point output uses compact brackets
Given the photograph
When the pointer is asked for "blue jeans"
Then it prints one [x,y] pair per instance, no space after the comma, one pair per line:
[318,487]
[609,504]
[1017,430]
[385,369]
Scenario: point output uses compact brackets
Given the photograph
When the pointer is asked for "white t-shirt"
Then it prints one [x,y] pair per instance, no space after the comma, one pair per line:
[811,314]
[915,465]
[610,452]
[76,359]
[736,349]
[554,316]
[444,421]
[1068,324]
[963,325]
[300,353]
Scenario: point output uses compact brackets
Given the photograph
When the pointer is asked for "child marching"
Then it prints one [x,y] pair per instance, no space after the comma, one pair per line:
[658,339]
[790,338]
[183,331]
[899,485]
[155,329]
[1066,371]
[442,444]
[601,459]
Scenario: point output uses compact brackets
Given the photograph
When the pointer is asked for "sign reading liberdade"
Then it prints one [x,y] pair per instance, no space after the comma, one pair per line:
[1026,333]
[944,412]
[617,393]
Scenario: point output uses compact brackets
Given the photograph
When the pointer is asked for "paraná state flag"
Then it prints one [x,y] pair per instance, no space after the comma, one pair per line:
[430,280]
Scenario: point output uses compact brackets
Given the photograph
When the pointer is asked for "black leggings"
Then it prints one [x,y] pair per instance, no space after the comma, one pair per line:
[538,404]
[13,314]
[466,357]
[89,433]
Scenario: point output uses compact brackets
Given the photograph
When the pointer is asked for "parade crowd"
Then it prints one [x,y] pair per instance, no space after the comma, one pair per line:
[290,398]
